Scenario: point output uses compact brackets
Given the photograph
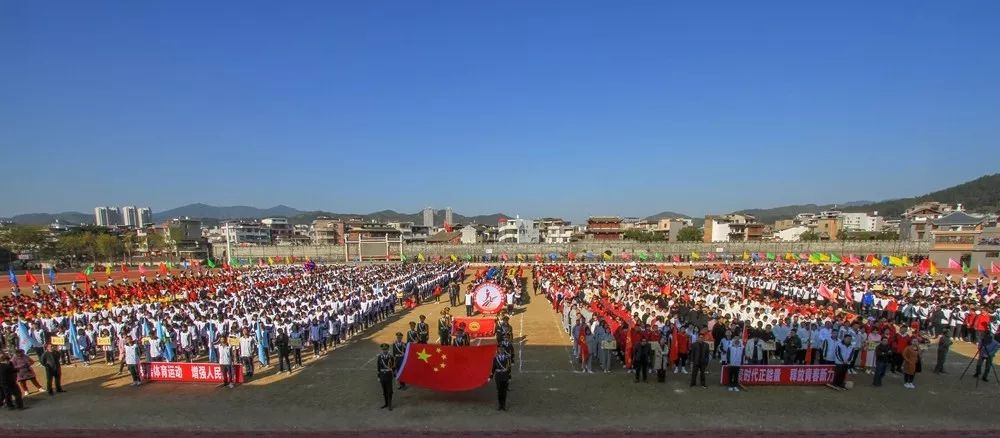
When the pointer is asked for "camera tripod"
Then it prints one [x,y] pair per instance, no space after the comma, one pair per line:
[979,353]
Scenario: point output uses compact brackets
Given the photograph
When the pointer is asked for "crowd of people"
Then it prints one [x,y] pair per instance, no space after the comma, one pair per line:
[223,316]
[860,320]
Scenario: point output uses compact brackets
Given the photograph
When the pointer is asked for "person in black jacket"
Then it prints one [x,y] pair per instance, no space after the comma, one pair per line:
[699,357]
[641,355]
[8,384]
[53,369]
[284,350]
[883,357]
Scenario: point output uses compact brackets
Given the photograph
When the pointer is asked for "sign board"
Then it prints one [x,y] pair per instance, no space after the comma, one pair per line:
[186,372]
[58,340]
[781,374]
[489,298]
[104,341]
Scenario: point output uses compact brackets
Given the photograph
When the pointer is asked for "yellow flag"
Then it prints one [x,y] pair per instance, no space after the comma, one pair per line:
[694,255]
[107,269]
[420,257]
[895,261]
[746,256]
[270,260]
[876,262]
[453,258]
[823,257]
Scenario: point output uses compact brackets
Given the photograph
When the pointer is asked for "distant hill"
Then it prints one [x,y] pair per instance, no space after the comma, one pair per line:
[394,216]
[72,217]
[235,212]
[667,215]
[981,195]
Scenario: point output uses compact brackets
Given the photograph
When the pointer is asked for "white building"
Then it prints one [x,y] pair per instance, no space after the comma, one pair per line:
[107,216]
[130,216]
[145,216]
[554,230]
[246,233]
[861,222]
[518,230]
[449,216]
[792,234]
[429,217]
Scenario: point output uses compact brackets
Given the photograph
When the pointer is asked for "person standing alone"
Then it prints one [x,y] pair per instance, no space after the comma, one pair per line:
[700,354]
[53,369]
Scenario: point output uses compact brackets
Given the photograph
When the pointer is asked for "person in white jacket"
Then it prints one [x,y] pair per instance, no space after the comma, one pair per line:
[735,359]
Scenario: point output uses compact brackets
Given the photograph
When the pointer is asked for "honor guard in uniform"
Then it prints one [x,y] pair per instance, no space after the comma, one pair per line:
[412,336]
[461,338]
[507,344]
[444,327]
[423,330]
[386,366]
[501,375]
[398,351]
[503,328]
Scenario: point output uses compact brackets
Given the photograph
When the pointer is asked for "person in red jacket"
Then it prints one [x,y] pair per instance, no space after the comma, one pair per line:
[968,324]
[981,324]
[898,342]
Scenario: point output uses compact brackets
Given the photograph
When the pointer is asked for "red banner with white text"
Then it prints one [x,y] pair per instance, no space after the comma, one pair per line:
[781,374]
[475,327]
[186,372]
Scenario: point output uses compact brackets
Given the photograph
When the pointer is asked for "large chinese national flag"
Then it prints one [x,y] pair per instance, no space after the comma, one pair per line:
[446,368]
[475,327]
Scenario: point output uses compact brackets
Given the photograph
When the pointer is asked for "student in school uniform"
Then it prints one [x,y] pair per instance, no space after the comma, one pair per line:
[734,359]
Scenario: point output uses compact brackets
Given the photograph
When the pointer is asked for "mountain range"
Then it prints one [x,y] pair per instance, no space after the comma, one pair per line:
[979,195]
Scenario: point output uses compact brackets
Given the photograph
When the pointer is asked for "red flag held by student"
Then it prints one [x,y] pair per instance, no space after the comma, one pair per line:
[447,368]
[30,278]
[163,268]
[581,342]
[825,292]
[124,267]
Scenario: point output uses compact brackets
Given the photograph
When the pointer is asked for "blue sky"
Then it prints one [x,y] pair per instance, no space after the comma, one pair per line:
[566,108]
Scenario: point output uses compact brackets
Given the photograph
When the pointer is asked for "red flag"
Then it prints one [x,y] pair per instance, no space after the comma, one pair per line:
[847,291]
[163,268]
[994,268]
[571,256]
[746,332]
[581,342]
[674,353]
[666,290]
[447,368]
[677,259]
[924,266]
[538,258]
[124,267]
[30,278]
[826,293]
[725,276]
[447,227]
[475,327]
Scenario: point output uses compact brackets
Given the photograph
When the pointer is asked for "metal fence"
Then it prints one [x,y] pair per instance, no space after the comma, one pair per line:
[335,253]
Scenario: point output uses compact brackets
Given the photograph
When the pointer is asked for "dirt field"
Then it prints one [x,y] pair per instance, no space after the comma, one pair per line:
[339,392]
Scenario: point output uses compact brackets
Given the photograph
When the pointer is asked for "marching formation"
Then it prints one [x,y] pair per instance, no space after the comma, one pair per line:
[857,320]
[234,318]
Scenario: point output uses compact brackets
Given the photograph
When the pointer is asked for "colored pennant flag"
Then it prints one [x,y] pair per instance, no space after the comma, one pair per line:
[994,268]
[124,267]
[952,264]
[710,256]
[52,275]
[163,268]
[933,268]
[643,256]
[270,260]
[89,271]
[746,256]
[32,280]
[107,270]
[677,259]
[211,263]
[966,268]
[402,258]
[982,271]
[824,257]
[420,257]
[142,269]
[895,261]
[924,266]
[447,368]
[695,255]
[814,258]
[834,258]
[658,257]
[771,256]
[875,262]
